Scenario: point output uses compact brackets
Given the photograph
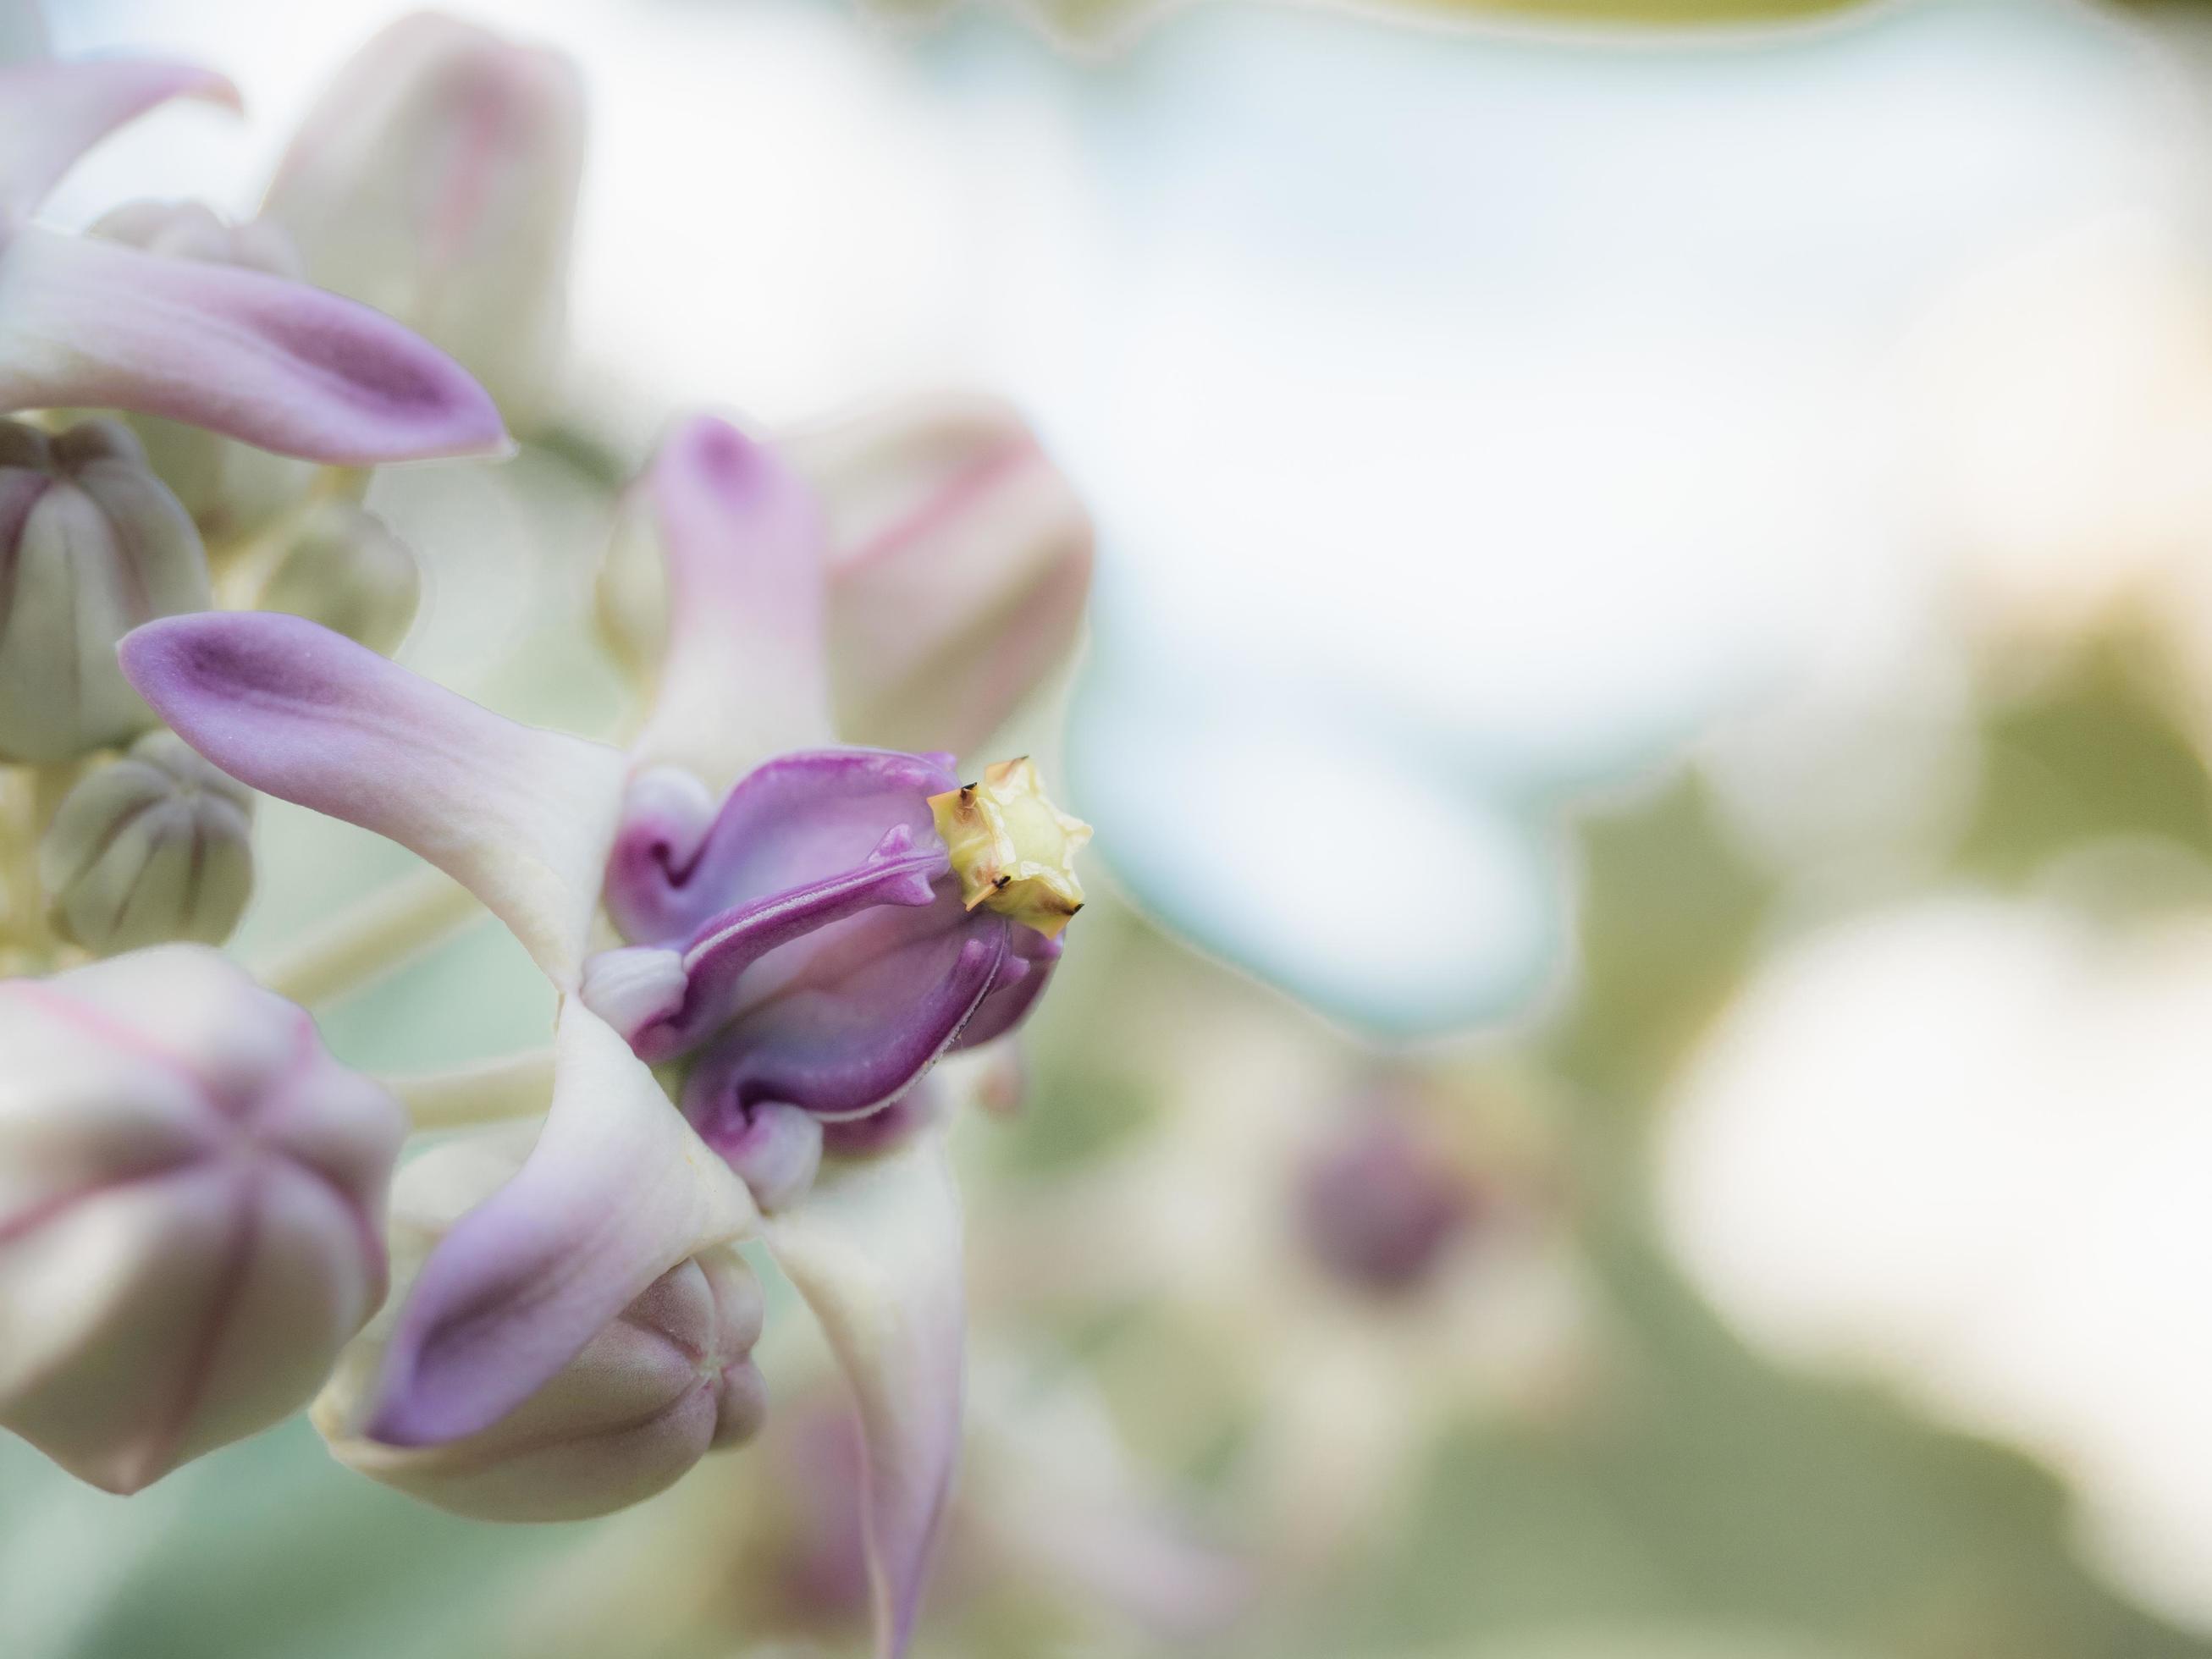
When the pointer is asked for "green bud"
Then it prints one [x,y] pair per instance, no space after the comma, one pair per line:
[92,544]
[151,847]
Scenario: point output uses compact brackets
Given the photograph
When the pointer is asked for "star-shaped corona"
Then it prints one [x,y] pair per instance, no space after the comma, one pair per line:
[1013,849]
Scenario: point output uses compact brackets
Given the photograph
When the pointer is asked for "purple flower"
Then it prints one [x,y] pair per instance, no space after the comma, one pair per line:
[801,950]
[88,323]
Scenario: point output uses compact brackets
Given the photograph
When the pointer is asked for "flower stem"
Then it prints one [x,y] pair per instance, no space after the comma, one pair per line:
[489,1091]
[363,943]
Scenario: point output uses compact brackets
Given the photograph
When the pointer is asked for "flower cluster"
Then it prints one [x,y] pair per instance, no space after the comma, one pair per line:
[761,938]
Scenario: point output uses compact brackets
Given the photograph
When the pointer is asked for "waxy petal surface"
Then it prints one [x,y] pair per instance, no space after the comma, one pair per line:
[88,323]
[51,114]
[618,1191]
[521,817]
[802,818]
[744,677]
[875,1250]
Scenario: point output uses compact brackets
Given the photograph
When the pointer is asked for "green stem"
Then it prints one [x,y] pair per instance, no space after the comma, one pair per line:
[362,944]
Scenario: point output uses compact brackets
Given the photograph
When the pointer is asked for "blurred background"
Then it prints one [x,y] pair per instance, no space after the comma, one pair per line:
[1638,1084]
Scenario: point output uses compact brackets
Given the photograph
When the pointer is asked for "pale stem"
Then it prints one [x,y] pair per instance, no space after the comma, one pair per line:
[29,798]
[490,1091]
[370,939]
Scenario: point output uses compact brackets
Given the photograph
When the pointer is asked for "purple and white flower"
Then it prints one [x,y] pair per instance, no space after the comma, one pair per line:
[797,944]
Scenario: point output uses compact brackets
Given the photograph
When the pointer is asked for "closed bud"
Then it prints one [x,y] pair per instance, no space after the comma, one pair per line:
[669,1380]
[230,488]
[92,544]
[154,845]
[189,1194]
[436,181]
[347,571]
[959,565]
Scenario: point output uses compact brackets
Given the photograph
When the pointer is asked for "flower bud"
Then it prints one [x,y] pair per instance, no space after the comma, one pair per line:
[670,1380]
[189,1188]
[347,572]
[1013,849]
[230,488]
[154,845]
[959,565]
[91,544]
[436,181]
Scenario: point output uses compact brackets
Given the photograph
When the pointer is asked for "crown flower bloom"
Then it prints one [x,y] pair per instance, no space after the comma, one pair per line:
[666,1381]
[797,953]
[189,1196]
[436,179]
[86,322]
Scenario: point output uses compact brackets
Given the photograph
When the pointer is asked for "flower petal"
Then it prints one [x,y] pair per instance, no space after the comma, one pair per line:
[92,324]
[744,677]
[521,817]
[616,1192]
[1022,977]
[845,1019]
[51,114]
[678,866]
[875,1250]
[741,937]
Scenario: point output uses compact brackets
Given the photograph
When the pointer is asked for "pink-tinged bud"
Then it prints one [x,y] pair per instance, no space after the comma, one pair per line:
[668,1381]
[92,544]
[346,570]
[959,566]
[190,1189]
[436,181]
[152,846]
[230,488]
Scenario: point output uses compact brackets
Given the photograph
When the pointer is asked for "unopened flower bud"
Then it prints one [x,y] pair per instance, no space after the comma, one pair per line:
[347,572]
[92,544]
[667,1382]
[959,564]
[436,181]
[1013,849]
[189,1194]
[154,845]
[230,488]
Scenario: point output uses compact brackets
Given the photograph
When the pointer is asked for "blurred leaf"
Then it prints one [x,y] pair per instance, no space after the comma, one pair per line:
[2093,751]
[1708,1486]
[1670,913]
